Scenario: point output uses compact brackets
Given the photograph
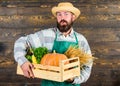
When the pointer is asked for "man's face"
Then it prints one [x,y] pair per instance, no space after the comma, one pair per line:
[64,20]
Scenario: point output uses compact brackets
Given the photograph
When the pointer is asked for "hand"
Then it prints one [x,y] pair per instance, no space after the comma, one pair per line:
[70,80]
[27,69]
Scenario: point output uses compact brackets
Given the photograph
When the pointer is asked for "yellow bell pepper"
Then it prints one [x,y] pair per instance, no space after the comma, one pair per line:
[34,60]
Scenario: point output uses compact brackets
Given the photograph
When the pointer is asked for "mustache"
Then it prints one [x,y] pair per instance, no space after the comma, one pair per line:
[63,21]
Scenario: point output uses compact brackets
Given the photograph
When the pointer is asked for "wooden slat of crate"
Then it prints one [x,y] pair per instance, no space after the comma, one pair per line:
[54,68]
[49,75]
[43,73]
[71,65]
[73,72]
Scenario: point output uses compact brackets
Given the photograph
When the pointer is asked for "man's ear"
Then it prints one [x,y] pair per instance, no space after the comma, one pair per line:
[73,17]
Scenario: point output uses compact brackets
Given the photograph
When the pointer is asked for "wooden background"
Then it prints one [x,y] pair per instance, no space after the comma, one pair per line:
[99,23]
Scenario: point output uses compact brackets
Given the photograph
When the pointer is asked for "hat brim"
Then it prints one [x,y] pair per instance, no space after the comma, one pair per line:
[74,10]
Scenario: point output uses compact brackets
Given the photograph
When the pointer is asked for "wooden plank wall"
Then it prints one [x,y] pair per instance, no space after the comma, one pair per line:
[99,23]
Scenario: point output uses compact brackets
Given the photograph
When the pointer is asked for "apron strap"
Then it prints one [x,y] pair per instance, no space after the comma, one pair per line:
[76,37]
[55,36]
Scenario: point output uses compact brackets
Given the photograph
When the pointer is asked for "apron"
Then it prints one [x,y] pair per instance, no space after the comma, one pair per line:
[60,47]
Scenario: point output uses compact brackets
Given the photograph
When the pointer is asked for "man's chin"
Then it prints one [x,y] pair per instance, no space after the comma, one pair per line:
[63,25]
[63,30]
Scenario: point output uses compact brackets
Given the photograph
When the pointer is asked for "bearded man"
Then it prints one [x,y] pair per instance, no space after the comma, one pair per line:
[58,39]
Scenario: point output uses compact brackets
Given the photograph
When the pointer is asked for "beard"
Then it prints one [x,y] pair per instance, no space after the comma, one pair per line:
[65,27]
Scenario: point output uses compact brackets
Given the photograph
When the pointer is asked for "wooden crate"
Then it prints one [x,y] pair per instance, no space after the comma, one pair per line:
[60,74]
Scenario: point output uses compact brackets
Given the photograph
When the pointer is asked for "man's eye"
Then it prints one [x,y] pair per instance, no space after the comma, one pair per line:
[58,14]
[66,14]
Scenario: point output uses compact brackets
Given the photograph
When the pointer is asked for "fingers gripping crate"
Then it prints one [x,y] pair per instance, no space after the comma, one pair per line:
[67,69]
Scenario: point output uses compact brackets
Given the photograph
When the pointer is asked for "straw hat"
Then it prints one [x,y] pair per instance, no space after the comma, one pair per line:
[66,6]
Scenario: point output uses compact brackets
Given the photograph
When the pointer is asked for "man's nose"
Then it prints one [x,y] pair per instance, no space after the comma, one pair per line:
[62,16]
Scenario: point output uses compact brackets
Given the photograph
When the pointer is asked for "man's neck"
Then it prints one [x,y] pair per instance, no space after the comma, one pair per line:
[67,33]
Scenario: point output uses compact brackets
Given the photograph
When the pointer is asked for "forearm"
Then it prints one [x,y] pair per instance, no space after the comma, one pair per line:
[84,74]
